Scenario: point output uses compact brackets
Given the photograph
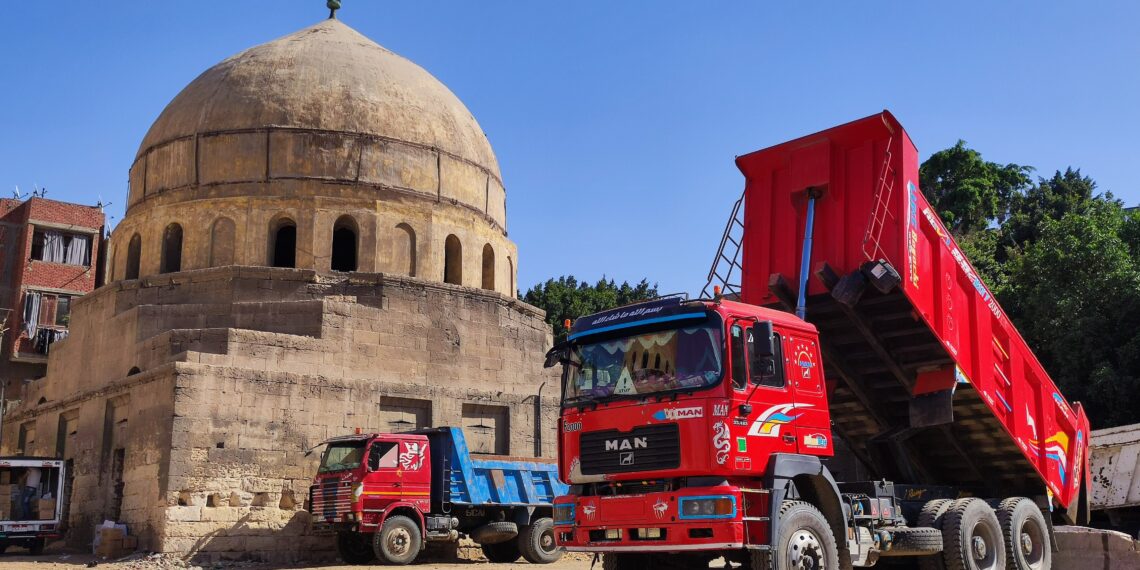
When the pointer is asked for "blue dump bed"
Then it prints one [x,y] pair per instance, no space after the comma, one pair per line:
[460,479]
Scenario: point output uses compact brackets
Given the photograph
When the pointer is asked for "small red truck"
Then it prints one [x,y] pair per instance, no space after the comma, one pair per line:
[388,495]
[897,413]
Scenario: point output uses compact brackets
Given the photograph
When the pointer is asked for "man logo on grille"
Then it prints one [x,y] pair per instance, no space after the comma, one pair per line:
[627,458]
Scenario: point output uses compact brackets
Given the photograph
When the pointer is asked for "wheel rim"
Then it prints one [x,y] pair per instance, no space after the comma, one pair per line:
[805,551]
[546,541]
[398,542]
[983,547]
[1033,544]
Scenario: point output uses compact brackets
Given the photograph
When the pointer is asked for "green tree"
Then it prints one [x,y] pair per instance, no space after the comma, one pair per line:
[968,192]
[1074,294]
[567,298]
[1049,199]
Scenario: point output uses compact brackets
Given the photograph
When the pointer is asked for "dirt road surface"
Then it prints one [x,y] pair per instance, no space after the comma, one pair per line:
[58,560]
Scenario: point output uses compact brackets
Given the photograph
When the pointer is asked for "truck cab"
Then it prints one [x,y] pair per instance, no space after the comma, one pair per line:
[678,407]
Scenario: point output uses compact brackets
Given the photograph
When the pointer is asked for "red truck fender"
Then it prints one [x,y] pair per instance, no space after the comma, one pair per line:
[404,508]
[814,484]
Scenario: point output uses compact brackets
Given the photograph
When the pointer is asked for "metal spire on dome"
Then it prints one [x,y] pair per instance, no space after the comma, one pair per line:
[333,6]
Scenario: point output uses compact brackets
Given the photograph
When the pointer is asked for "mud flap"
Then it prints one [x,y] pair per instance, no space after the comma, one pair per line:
[932,409]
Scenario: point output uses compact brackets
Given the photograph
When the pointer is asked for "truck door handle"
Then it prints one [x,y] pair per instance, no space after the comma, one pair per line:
[789,438]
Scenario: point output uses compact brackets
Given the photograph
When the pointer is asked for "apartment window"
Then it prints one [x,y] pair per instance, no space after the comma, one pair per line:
[46,317]
[61,247]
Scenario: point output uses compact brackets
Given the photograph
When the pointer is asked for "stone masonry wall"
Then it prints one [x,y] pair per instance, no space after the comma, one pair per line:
[213,383]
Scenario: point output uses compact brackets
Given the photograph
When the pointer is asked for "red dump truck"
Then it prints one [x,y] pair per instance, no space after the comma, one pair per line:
[859,395]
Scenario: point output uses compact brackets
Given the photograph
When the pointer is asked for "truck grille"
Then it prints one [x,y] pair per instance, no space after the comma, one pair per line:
[647,448]
[330,500]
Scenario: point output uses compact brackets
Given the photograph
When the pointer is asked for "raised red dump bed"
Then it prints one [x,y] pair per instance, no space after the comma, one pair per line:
[900,362]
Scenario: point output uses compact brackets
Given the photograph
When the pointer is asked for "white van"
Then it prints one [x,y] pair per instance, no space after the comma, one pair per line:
[33,523]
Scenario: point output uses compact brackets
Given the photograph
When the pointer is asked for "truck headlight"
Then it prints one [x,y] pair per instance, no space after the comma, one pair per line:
[564,514]
[719,507]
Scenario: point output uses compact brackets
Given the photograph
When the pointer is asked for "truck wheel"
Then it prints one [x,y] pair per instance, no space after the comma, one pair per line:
[971,537]
[495,532]
[354,548]
[805,541]
[501,552]
[398,541]
[914,541]
[537,542]
[1026,535]
[931,517]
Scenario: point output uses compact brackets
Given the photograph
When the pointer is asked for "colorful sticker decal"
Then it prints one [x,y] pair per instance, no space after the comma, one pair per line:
[1057,449]
[768,423]
[964,264]
[1004,403]
[815,441]
[741,444]
[803,358]
[1077,458]
[960,376]
[659,508]
[679,413]
[720,442]
[413,456]
[912,235]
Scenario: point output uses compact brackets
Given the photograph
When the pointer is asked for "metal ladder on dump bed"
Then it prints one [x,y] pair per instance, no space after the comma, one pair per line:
[724,266]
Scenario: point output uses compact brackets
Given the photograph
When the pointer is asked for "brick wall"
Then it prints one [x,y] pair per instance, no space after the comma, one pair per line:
[19,220]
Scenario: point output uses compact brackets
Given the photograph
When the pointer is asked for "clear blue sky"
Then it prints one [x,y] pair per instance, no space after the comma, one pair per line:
[615,123]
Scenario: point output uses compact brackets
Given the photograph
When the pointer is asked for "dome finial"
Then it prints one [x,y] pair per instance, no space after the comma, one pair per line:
[333,5]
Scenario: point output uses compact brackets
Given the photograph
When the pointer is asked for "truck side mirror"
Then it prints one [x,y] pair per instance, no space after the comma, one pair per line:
[558,354]
[763,343]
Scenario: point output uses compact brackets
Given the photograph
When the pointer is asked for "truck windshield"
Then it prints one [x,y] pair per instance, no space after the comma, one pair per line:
[646,363]
[342,455]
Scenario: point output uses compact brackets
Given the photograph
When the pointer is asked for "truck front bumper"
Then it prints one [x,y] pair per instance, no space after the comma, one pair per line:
[651,522]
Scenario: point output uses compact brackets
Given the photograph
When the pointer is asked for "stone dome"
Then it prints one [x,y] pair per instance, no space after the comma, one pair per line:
[280,153]
[327,77]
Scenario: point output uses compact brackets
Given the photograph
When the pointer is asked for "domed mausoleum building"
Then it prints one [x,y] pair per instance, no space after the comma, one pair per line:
[315,242]
[324,151]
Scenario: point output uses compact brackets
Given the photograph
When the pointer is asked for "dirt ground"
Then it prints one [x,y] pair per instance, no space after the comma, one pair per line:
[59,559]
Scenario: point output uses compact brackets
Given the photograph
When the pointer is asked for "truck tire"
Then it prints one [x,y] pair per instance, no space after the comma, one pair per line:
[398,542]
[1027,544]
[971,537]
[495,532]
[805,541]
[914,541]
[537,544]
[931,517]
[354,548]
[501,552]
